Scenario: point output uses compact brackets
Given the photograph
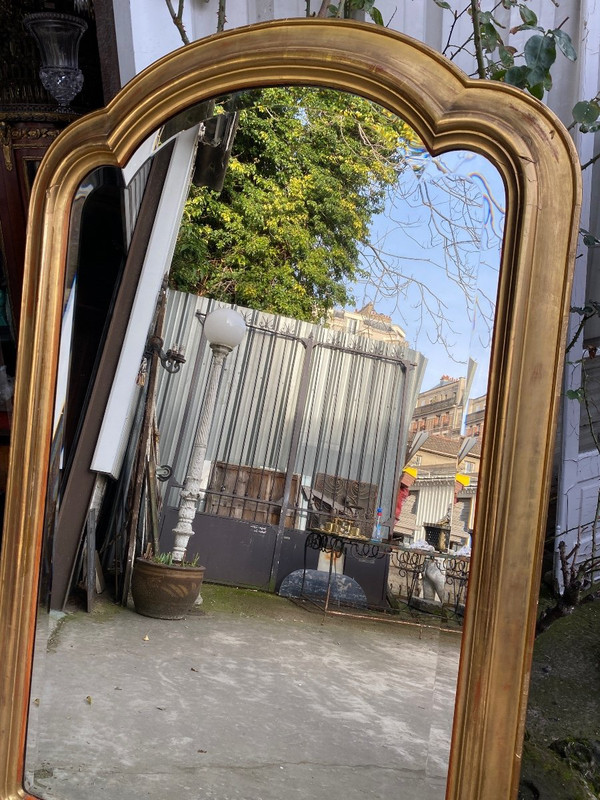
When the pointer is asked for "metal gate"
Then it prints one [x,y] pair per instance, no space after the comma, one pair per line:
[310,426]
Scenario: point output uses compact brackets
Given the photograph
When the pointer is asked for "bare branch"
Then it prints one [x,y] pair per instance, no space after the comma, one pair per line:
[221,20]
[590,162]
[477,38]
[177,19]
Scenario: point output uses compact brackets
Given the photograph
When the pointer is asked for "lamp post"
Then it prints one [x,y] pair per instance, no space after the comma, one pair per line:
[224,329]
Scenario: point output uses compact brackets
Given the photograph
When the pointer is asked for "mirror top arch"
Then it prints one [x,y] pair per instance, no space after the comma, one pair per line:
[444,106]
[537,160]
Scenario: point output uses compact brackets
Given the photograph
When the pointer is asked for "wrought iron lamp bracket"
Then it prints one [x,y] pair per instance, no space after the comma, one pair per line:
[171,360]
[164,472]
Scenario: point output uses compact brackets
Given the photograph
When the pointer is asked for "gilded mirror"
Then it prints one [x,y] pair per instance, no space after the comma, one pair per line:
[431,218]
[536,161]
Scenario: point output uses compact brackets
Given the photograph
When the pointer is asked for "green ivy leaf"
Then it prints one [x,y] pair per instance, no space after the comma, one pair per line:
[488,17]
[498,75]
[489,37]
[563,40]
[536,77]
[540,53]
[517,76]
[527,15]
[442,4]
[376,16]
[537,90]
[519,28]
[506,55]
[575,394]
[586,112]
[590,128]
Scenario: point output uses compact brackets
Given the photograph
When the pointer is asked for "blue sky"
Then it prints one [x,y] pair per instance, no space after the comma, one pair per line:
[438,250]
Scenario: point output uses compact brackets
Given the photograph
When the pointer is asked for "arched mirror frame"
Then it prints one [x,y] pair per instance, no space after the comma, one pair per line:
[537,161]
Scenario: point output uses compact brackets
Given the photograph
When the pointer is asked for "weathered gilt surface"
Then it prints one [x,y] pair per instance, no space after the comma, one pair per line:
[533,153]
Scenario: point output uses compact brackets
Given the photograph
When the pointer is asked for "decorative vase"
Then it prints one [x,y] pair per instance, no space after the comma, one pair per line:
[165,591]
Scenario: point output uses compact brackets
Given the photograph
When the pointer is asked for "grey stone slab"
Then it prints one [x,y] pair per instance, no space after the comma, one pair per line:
[226,706]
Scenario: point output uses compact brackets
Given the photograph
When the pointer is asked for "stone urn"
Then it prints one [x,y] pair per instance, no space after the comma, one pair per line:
[165,591]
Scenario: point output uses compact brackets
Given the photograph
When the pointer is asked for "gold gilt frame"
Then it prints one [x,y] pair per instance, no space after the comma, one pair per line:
[536,158]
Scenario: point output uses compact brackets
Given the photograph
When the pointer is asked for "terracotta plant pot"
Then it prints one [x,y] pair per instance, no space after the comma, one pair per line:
[165,591]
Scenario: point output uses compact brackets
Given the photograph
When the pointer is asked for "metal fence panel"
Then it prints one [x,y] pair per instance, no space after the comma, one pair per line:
[299,406]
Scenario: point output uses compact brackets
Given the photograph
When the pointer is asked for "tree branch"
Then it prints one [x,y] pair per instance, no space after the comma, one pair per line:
[590,162]
[177,19]
[221,20]
[477,38]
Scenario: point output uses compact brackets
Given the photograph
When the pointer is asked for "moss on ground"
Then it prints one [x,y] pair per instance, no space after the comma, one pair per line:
[546,776]
[250,602]
[561,758]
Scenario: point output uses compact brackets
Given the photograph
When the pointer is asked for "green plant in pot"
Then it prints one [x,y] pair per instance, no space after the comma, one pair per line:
[168,583]
[163,588]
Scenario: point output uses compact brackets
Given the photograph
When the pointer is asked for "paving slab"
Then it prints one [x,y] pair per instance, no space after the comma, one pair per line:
[239,702]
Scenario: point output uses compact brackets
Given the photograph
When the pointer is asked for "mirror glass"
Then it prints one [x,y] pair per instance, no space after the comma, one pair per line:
[340,468]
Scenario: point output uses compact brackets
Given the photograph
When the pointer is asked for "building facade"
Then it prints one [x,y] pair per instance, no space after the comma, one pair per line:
[437,495]
[440,410]
[475,418]
[368,322]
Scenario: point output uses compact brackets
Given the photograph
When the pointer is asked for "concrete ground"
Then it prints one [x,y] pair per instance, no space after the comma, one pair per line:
[254,698]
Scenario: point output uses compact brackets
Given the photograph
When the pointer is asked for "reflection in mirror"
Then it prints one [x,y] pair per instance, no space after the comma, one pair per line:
[338,444]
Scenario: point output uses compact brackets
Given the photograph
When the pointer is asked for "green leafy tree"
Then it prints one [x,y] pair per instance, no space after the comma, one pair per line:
[309,169]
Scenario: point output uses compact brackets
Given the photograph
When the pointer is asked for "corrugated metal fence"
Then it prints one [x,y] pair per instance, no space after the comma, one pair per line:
[310,422]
